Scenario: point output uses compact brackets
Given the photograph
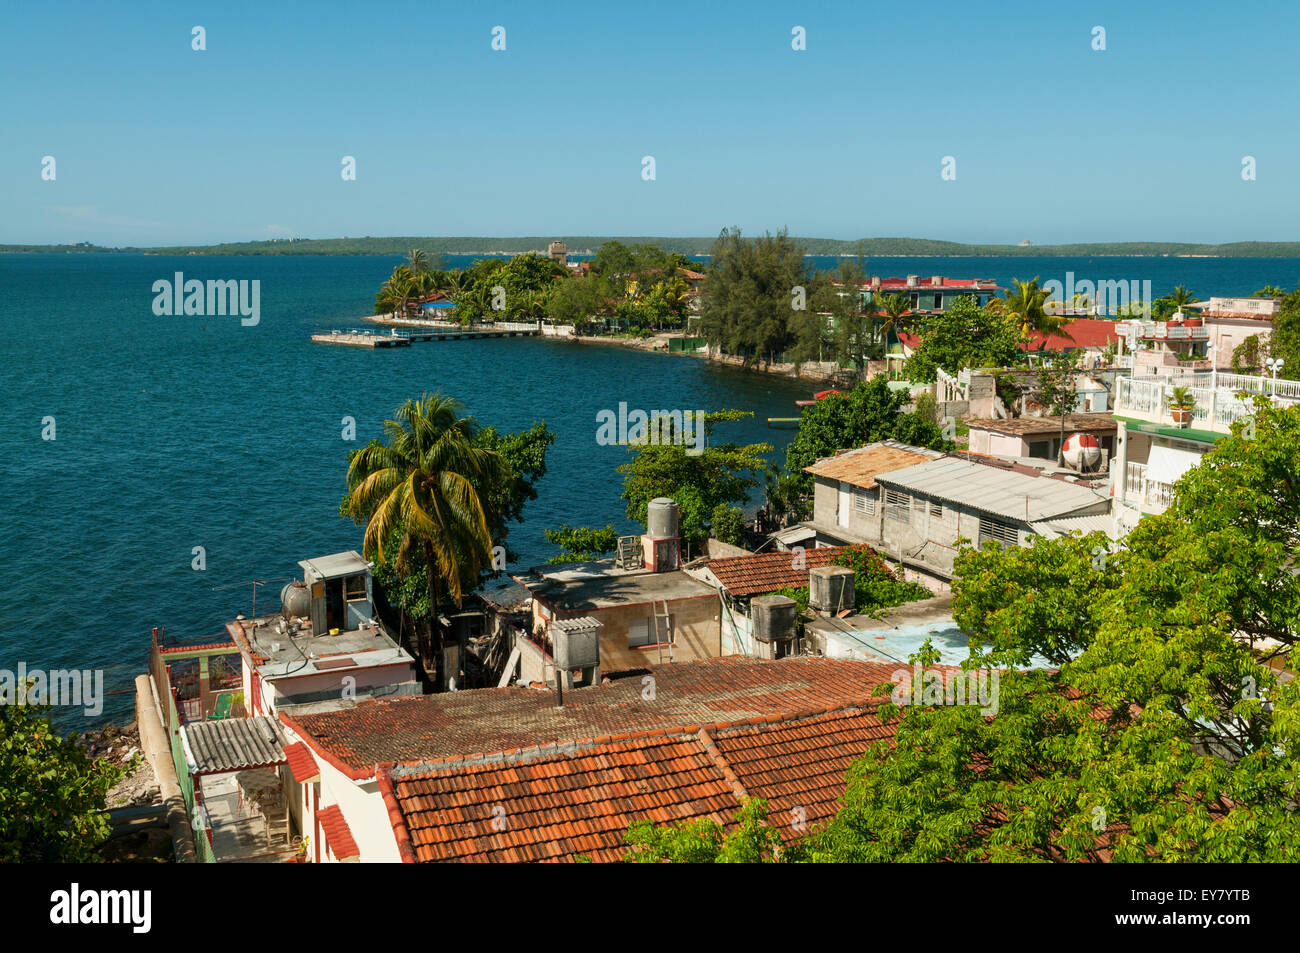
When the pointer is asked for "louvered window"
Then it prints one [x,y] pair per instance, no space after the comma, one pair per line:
[898,506]
[1005,534]
[864,501]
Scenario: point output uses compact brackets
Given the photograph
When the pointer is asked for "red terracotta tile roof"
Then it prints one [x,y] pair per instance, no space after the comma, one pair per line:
[798,767]
[1081,332]
[488,721]
[200,647]
[581,802]
[767,572]
[301,764]
[338,836]
[557,808]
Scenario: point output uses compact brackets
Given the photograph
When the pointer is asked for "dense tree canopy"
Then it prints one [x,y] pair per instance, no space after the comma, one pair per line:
[871,411]
[52,794]
[1164,732]
[697,482]
[965,335]
[757,291]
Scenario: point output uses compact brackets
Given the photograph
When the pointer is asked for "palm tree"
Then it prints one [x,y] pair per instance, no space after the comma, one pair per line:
[424,488]
[893,309]
[417,261]
[1025,302]
[1180,296]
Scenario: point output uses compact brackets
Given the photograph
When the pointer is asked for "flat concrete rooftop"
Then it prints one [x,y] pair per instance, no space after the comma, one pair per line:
[598,585]
[309,654]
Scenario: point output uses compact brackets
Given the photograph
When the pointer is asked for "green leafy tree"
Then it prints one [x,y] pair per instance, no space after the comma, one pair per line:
[728,524]
[964,335]
[1285,341]
[697,482]
[870,412]
[1162,736]
[750,841]
[52,794]
[750,298]
[581,543]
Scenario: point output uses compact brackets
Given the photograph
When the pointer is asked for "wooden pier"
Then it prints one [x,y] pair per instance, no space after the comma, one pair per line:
[354,338]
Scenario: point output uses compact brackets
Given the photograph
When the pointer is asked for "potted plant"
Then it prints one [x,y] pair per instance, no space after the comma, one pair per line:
[1181,404]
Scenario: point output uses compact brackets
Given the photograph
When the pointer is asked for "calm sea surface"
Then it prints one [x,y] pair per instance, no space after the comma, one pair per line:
[176,432]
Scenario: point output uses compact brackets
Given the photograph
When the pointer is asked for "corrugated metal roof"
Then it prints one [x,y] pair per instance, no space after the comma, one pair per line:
[859,467]
[1064,525]
[336,564]
[1005,493]
[233,744]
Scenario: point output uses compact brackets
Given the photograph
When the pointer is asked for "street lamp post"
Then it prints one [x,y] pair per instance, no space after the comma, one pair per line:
[1274,364]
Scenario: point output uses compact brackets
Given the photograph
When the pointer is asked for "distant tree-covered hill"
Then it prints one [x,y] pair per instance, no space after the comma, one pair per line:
[584,244]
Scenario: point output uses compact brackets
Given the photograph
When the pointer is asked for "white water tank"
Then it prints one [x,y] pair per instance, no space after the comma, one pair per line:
[1082,451]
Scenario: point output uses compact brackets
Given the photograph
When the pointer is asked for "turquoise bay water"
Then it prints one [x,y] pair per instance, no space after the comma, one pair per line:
[176,432]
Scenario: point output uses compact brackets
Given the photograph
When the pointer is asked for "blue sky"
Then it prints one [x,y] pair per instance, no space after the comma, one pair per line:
[156,143]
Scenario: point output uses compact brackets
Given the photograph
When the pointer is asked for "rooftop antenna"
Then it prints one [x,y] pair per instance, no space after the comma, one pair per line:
[254,583]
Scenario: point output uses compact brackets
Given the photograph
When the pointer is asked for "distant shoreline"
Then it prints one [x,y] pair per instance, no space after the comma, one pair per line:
[584,246]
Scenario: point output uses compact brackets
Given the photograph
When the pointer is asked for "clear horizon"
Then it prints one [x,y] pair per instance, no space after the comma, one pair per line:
[157,144]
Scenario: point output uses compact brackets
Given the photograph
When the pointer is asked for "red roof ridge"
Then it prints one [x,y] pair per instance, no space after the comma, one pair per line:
[302,765]
[720,761]
[402,833]
[424,767]
[338,835]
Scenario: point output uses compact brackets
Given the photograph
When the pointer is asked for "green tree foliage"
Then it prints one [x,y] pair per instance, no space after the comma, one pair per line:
[503,496]
[964,336]
[751,841]
[728,524]
[1165,739]
[871,411]
[576,300]
[1248,356]
[697,482]
[528,281]
[52,794]
[581,543]
[749,298]
[1285,342]
[423,483]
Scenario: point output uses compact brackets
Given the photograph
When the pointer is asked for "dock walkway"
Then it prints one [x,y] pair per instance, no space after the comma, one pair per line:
[395,338]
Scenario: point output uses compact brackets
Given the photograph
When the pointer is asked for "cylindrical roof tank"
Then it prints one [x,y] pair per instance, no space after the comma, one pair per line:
[661,521]
[295,599]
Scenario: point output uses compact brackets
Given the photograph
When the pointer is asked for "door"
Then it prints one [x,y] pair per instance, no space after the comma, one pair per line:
[845,504]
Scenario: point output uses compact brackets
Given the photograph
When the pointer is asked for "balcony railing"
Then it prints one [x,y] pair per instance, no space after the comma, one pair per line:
[1150,494]
[1216,408]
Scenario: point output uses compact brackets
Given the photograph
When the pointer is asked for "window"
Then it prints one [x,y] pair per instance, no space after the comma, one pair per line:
[1005,534]
[898,506]
[642,632]
[354,588]
[864,501]
[938,302]
[936,509]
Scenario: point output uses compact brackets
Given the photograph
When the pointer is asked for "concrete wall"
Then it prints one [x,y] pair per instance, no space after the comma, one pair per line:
[925,539]
[697,631]
[367,681]
[1226,334]
[826,502]
[362,806]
